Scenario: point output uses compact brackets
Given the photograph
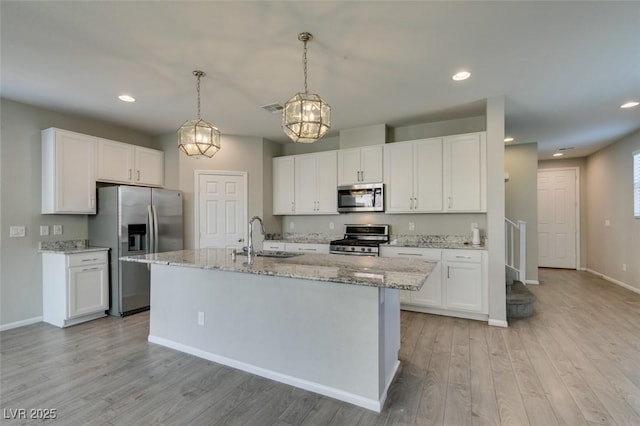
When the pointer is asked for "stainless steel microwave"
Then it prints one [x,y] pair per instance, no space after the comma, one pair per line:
[366,197]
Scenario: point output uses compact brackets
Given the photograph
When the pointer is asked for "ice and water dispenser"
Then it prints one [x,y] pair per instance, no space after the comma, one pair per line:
[137,235]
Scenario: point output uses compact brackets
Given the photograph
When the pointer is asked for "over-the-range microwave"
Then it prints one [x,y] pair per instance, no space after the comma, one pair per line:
[364,197]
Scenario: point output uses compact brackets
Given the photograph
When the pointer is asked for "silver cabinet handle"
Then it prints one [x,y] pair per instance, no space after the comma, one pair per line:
[448,271]
[410,254]
[89,260]
[307,249]
[240,240]
[463,257]
[90,269]
[415,203]
[293,206]
[130,177]
[138,175]
[449,198]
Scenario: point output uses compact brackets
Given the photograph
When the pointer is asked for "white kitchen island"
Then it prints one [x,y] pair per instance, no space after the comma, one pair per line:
[325,323]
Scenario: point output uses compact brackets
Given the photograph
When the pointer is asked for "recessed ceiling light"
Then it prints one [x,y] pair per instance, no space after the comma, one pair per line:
[558,154]
[630,104]
[508,139]
[127,98]
[462,75]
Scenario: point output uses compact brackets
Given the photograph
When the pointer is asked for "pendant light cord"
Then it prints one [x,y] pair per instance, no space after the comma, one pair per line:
[198,90]
[304,61]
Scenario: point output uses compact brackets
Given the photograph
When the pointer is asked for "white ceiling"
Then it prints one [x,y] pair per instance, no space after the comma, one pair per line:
[563,67]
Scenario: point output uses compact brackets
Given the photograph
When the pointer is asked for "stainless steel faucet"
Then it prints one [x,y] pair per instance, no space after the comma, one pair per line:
[250,243]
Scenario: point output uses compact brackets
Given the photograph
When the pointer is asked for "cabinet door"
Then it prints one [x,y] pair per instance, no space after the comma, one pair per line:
[465,170]
[305,187]
[149,166]
[68,172]
[115,161]
[88,290]
[349,166]
[428,175]
[283,185]
[398,176]
[431,292]
[326,183]
[463,286]
[371,164]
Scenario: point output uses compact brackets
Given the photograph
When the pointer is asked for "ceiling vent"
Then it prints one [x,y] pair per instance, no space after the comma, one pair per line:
[274,108]
[567,148]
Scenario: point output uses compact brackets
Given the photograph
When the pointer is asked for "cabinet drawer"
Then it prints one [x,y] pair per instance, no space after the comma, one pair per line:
[463,256]
[308,248]
[411,252]
[273,245]
[90,258]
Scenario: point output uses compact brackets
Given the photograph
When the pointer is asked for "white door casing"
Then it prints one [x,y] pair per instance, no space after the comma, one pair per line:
[558,212]
[221,209]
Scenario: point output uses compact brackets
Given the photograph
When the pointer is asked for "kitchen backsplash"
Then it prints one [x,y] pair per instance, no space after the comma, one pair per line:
[63,245]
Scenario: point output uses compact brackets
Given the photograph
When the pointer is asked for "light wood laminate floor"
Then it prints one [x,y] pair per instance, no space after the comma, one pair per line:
[575,362]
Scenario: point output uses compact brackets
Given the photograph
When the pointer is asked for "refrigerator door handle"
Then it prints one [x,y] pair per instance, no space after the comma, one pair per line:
[155,228]
[150,232]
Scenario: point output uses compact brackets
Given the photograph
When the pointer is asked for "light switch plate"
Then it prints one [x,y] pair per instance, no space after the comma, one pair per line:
[57,229]
[17,231]
[44,229]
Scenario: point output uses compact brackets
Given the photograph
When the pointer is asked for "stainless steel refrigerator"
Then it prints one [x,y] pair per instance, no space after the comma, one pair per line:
[130,221]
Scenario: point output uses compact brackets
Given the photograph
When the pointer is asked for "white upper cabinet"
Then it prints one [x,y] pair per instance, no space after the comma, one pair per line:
[413,176]
[68,172]
[124,163]
[283,185]
[149,168]
[305,184]
[436,175]
[465,159]
[360,165]
[115,161]
[316,183]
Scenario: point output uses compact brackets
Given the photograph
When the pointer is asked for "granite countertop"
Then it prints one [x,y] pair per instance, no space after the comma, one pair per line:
[68,247]
[402,274]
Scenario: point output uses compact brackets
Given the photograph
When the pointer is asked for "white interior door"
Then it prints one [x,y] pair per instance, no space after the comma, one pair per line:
[557,208]
[222,209]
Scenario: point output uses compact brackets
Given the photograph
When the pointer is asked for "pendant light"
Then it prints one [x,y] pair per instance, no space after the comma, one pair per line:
[197,138]
[306,117]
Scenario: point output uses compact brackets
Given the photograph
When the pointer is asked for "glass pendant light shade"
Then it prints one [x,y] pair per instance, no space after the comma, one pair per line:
[197,138]
[306,118]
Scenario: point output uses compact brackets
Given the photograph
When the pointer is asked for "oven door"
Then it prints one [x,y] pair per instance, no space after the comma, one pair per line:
[361,198]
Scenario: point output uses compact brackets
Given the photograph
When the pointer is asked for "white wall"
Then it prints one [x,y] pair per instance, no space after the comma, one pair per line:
[20,194]
[610,197]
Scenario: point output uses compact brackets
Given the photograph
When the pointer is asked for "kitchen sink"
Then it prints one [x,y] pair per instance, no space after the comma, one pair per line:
[280,254]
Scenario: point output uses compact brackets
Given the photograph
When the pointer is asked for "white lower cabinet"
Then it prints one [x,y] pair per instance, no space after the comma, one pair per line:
[464,281]
[75,287]
[457,286]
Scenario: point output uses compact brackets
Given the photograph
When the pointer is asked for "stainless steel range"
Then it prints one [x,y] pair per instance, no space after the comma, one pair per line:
[361,240]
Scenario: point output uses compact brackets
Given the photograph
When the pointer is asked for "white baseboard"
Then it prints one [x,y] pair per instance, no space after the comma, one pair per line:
[534,282]
[369,404]
[613,280]
[498,323]
[22,323]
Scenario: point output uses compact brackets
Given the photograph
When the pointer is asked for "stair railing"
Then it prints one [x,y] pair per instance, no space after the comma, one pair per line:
[516,236]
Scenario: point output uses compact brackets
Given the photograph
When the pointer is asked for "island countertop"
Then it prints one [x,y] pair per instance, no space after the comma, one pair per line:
[401,274]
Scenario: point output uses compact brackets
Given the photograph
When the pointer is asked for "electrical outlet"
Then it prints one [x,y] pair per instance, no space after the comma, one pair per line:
[331,225]
[44,229]
[412,226]
[17,231]
[201,318]
[57,229]
[624,267]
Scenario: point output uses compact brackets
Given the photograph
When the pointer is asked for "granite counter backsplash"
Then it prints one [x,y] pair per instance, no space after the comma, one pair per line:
[67,246]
